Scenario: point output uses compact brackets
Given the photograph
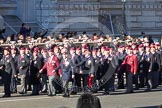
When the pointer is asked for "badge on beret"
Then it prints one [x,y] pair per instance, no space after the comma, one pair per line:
[148,59]
[35,62]
[67,63]
[89,62]
[53,62]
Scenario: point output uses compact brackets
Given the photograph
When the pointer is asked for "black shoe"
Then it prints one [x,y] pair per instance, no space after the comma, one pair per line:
[29,89]
[34,94]
[121,87]
[94,91]
[141,86]
[136,88]
[65,95]
[59,92]
[73,93]
[106,93]
[154,87]
[13,92]
[112,90]
[148,90]
[43,91]
[22,92]
[127,92]
[4,96]
[51,94]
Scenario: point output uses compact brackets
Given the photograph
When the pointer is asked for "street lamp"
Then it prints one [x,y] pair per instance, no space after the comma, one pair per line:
[123,17]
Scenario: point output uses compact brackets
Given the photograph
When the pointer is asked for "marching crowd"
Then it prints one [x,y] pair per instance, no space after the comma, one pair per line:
[50,68]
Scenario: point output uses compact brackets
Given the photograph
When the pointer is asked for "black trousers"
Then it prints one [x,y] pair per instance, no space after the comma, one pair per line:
[109,85]
[135,80]
[58,86]
[13,86]
[7,81]
[78,79]
[85,81]
[142,79]
[76,83]
[121,79]
[129,82]
[160,76]
[44,82]
[28,82]
[149,81]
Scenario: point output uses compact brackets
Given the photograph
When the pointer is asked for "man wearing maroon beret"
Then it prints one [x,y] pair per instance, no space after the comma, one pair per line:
[87,64]
[75,78]
[121,55]
[144,67]
[23,66]
[79,56]
[29,55]
[131,63]
[8,69]
[155,68]
[51,64]
[57,53]
[67,70]
[13,86]
[35,66]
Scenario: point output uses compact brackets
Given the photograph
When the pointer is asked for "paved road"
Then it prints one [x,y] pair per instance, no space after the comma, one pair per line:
[115,100]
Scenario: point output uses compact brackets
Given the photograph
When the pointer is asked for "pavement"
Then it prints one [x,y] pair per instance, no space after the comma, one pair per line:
[117,99]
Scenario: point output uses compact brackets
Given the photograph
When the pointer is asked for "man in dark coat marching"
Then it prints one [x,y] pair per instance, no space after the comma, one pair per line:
[13,86]
[8,67]
[23,66]
[66,67]
[35,66]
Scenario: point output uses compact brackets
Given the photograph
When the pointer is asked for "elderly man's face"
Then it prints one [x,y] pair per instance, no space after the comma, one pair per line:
[6,52]
[56,50]
[129,51]
[50,53]
[13,51]
[22,51]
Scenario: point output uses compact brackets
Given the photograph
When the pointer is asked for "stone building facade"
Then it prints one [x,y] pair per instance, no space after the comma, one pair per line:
[108,16]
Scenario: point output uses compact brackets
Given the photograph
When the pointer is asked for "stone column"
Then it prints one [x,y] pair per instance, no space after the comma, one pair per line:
[1,22]
[26,10]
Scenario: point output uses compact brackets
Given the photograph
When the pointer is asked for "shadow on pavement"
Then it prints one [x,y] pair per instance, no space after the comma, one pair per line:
[160,106]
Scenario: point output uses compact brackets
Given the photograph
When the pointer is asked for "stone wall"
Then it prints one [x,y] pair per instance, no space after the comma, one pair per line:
[68,16]
[75,15]
[26,10]
[1,22]
[8,7]
[144,15]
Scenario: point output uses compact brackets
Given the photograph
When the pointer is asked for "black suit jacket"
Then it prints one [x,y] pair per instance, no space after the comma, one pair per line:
[24,63]
[155,62]
[8,65]
[35,66]
[15,58]
[86,67]
[74,61]
[67,69]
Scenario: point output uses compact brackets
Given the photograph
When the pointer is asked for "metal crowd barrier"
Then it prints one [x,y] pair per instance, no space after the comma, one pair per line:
[58,43]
